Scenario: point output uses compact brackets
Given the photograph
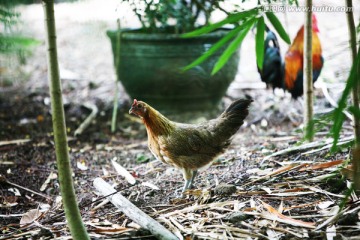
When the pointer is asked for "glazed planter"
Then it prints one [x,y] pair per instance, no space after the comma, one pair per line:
[150,70]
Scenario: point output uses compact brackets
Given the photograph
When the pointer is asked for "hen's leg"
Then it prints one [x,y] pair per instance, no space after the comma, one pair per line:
[194,173]
[188,177]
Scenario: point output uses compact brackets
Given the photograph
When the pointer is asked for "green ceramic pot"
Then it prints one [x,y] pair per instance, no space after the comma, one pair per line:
[150,70]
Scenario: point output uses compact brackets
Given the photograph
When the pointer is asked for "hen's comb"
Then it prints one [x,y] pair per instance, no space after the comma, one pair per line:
[135,102]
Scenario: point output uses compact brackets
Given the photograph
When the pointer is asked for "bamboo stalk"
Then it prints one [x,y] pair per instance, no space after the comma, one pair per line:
[355,90]
[117,67]
[72,212]
[354,95]
[308,74]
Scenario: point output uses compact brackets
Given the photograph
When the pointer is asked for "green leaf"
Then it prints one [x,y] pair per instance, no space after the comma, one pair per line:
[10,44]
[233,18]
[214,48]
[234,45]
[338,113]
[355,111]
[141,158]
[278,26]
[260,34]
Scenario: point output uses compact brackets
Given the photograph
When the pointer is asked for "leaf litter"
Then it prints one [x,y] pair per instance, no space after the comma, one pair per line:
[290,195]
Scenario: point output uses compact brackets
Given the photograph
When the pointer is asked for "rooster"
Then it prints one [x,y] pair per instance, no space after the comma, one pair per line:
[272,72]
[190,147]
[289,75]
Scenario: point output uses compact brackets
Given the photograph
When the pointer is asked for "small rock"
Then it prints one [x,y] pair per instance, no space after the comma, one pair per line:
[225,189]
[236,217]
[264,123]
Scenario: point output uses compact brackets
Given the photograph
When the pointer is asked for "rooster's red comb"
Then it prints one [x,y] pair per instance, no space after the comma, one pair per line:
[314,19]
[314,23]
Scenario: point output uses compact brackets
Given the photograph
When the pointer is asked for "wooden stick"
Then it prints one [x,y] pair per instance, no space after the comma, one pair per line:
[132,211]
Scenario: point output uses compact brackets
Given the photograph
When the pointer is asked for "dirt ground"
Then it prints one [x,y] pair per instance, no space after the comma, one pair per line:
[290,196]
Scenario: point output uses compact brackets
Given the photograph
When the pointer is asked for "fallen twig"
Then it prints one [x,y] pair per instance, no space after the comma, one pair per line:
[88,120]
[306,147]
[132,211]
[18,141]
[3,179]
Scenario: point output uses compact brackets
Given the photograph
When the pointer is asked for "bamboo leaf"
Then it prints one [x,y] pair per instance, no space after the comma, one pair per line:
[214,48]
[355,111]
[233,18]
[278,26]
[260,42]
[338,113]
[234,45]
[14,43]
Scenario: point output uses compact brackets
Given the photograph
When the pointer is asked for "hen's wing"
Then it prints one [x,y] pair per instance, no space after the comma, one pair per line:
[190,146]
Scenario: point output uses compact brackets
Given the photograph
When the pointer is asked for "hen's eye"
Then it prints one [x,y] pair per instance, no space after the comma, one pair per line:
[139,106]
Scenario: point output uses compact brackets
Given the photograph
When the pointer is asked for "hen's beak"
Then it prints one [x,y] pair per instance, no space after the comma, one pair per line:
[131,111]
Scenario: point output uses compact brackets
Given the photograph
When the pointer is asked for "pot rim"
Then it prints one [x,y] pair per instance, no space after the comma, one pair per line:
[135,34]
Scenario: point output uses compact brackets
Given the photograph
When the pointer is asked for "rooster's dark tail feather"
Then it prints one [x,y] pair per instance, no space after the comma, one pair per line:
[271,72]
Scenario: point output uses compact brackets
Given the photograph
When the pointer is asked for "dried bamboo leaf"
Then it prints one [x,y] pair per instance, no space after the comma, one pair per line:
[325,204]
[30,216]
[172,228]
[318,190]
[123,172]
[348,172]
[274,173]
[322,177]
[290,194]
[331,232]
[322,165]
[286,209]
[287,231]
[275,215]
[150,185]
[200,207]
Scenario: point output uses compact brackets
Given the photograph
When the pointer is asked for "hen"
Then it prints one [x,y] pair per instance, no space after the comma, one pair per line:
[289,75]
[186,146]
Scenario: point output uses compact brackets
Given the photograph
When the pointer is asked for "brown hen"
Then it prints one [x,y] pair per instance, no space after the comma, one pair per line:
[190,146]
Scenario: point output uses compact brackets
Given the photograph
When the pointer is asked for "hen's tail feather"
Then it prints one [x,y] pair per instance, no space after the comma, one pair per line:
[235,114]
[239,106]
[227,124]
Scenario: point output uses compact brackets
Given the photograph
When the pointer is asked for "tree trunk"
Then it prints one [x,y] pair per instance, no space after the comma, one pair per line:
[72,212]
[355,96]
[308,74]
